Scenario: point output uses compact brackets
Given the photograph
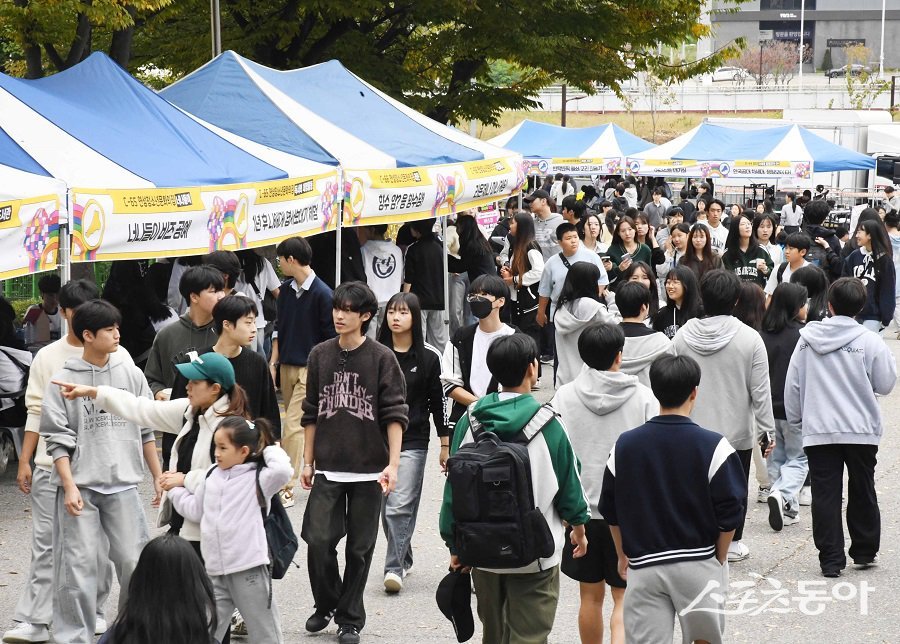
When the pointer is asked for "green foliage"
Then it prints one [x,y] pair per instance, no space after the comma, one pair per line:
[452,59]
[826,60]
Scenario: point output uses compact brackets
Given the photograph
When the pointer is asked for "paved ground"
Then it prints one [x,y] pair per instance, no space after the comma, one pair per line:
[771,609]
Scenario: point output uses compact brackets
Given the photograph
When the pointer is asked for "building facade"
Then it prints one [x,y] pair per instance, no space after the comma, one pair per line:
[827,24]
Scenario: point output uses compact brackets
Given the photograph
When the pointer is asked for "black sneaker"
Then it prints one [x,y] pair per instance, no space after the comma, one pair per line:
[865,564]
[348,635]
[318,621]
[831,574]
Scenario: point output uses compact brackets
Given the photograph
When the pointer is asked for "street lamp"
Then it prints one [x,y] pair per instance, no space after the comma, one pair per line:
[802,20]
[881,56]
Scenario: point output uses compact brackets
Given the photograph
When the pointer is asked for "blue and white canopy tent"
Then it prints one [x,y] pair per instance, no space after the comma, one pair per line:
[398,165]
[547,148]
[790,153]
[143,179]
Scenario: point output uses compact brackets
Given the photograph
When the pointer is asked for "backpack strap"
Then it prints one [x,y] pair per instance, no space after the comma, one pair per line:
[210,471]
[475,425]
[259,494]
[780,274]
[542,417]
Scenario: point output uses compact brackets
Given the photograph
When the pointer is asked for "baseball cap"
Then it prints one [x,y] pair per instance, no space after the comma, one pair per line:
[454,599]
[537,194]
[209,366]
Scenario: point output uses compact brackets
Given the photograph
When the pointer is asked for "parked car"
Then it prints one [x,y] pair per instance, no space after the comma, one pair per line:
[736,74]
[854,70]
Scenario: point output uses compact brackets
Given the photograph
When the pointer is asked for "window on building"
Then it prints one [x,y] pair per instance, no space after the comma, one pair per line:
[786,5]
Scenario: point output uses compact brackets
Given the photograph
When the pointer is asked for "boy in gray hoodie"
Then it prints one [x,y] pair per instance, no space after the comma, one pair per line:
[600,404]
[643,345]
[838,359]
[98,462]
[737,403]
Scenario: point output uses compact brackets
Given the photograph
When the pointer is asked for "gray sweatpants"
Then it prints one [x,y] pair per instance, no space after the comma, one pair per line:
[692,590]
[35,605]
[76,569]
[248,591]
[434,330]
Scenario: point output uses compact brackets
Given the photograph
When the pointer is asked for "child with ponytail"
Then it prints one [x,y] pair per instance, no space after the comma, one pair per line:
[232,537]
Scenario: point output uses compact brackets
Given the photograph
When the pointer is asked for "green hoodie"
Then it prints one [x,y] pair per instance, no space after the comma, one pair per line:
[555,470]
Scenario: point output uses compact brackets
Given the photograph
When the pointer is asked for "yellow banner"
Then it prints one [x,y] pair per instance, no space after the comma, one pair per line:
[29,235]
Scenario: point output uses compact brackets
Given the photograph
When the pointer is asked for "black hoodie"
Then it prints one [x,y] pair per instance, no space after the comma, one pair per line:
[829,260]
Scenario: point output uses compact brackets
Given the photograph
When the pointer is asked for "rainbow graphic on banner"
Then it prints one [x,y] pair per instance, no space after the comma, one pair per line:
[88,227]
[449,191]
[42,240]
[228,223]
[327,202]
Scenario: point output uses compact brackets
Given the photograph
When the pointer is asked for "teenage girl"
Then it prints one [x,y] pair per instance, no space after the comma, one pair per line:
[170,598]
[873,263]
[421,366]
[232,536]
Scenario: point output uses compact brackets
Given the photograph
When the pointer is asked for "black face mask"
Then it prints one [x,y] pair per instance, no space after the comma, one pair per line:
[481,307]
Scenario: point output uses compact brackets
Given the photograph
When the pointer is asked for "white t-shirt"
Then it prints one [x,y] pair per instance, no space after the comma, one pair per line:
[383,262]
[775,252]
[717,238]
[266,280]
[480,376]
[772,283]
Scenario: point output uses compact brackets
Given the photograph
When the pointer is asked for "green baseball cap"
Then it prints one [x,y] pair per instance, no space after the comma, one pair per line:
[210,366]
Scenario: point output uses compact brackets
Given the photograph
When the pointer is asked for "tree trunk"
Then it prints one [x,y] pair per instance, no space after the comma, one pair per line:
[120,47]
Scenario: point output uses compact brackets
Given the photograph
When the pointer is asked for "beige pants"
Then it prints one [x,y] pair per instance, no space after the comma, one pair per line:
[293,390]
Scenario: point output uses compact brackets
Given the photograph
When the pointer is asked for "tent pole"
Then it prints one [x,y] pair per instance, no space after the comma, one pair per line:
[64,254]
[337,248]
[446,275]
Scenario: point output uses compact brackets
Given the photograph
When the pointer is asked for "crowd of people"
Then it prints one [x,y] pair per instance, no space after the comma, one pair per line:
[645,317]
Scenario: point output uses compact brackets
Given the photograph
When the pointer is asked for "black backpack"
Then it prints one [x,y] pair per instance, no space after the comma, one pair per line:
[497,523]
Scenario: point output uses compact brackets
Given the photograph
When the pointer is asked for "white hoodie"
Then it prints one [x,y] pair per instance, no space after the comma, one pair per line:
[569,323]
[734,385]
[596,408]
[640,352]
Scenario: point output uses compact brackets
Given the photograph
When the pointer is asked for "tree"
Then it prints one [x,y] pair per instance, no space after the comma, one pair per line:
[64,32]
[777,61]
[442,56]
[862,90]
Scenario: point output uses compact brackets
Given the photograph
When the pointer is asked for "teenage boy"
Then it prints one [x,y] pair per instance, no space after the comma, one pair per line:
[304,320]
[573,210]
[519,604]
[657,210]
[234,320]
[672,529]
[464,372]
[42,322]
[423,275]
[557,267]
[599,405]
[826,252]
[354,414]
[98,462]
[229,265]
[34,610]
[737,400]
[796,247]
[839,359]
[383,261]
[545,222]
[718,237]
[201,287]
[643,345]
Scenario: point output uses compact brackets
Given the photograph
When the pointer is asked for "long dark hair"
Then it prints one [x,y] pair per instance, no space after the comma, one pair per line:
[644,219]
[816,283]
[410,302]
[616,239]
[581,281]
[751,305]
[522,243]
[691,304]
[690,253]
[251,263]
[881,243]
[470,238]
[170,597]
[787,300]
[758,219]
[654,293]
[733,242]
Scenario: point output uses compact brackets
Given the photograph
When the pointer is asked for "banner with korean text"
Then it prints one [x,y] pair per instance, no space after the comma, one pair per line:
[404,194]
[173,222]
[29,235]
[792,171]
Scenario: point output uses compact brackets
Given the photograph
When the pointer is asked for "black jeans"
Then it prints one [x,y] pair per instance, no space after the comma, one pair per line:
[335,510]
[826,472]
[746,455]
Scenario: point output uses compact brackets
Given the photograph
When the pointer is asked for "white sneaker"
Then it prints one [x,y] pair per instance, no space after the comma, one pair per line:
[25,632]
[100,626]
[287,498]
[791,520]
[393,583]
[762,495]
[737,551]
[238,625]
[806,495]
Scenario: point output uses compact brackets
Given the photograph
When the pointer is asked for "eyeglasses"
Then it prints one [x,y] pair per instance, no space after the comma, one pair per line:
[475,297]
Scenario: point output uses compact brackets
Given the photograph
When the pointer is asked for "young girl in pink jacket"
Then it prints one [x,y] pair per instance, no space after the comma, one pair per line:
[232,537]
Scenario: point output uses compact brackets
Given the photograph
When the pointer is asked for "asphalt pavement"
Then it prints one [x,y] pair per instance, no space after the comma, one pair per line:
[777,595]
